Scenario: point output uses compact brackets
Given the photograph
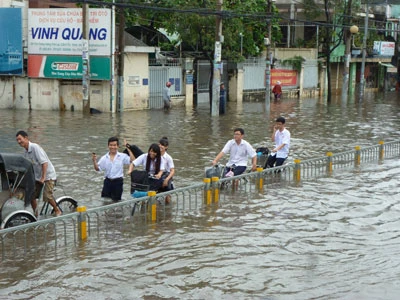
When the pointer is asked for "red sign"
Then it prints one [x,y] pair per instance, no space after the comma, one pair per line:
[286,77]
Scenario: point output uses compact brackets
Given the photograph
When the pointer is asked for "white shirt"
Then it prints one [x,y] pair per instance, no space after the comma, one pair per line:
[282,137]
[238,153]
[168,162]
[141,161]
[38,157]
[114,169]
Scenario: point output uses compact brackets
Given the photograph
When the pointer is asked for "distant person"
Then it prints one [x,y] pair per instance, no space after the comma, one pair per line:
[239,151]
[281,138]
[222,99]
[45,174]
[112,164]
[277,90]
[167,96]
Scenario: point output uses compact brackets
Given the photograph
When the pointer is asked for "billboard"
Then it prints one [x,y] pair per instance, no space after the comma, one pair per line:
[55,43]
[11,53]
[58,31]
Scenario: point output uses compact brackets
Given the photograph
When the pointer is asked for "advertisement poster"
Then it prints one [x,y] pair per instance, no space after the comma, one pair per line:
[58,31]
[67,67]
[11,53]
[286,77]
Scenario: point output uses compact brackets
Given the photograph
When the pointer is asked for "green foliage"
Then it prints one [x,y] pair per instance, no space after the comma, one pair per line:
[372,36]
[197,25]
[295,62]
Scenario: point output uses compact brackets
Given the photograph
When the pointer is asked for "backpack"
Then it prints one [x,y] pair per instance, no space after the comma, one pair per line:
[262,150]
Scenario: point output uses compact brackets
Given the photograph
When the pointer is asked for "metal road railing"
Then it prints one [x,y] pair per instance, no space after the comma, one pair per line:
[54,234]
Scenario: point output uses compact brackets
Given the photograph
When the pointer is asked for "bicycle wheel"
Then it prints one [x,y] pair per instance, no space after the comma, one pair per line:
[18,218]
[66,205]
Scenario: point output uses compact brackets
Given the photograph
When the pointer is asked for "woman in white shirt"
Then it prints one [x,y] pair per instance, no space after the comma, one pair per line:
[150,161]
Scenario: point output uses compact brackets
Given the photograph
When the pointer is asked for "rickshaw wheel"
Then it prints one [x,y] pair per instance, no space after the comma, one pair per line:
[19,218]
[66,205]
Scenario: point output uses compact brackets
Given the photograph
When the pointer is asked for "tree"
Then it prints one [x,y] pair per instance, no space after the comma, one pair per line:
[194,21]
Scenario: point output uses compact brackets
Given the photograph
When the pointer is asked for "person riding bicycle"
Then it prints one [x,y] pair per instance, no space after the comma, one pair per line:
[239,151]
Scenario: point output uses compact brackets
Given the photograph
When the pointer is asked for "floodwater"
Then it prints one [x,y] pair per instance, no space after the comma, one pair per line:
[335,237]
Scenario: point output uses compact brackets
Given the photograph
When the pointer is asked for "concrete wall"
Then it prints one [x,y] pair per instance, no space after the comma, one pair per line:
[286,53]
[6,92]
[71,96]
[43,93]
[51,94]
[136,73]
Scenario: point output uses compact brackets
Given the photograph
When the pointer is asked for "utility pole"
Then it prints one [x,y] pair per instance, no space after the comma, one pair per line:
[121,62]
[267,42]
[217,62]
[112,90]
[364,50]
[85,60]
[347,56]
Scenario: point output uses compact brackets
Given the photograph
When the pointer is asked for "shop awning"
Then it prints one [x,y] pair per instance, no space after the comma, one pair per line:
[390,68]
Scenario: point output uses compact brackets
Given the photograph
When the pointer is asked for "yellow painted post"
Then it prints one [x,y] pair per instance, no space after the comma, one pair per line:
[215,187]
[207,191]
[329,166]
[260,180]
[82,223]
[381,150]
[153,205]
[297,169]
[357,158]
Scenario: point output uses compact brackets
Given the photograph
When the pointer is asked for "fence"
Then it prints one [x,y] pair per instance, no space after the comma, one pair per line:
[55,234]
[159,73]
[254,75]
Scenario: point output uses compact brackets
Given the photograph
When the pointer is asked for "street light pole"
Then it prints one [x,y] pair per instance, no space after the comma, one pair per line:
[347,58]
[267,42]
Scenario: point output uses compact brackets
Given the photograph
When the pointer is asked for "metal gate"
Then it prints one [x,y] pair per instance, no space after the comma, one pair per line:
[158,76]
[254,74]
[202,83]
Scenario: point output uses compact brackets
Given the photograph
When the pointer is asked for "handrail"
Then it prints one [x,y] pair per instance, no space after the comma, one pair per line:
[66,230]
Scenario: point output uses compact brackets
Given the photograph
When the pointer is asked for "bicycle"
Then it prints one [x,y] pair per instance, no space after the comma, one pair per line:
[65,203]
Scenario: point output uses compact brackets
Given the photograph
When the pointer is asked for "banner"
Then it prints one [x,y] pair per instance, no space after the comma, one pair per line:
[67,67]
[286,77]
[58,31]
[11,55]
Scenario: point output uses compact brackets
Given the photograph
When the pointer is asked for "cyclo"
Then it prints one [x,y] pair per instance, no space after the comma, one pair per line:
[16,191]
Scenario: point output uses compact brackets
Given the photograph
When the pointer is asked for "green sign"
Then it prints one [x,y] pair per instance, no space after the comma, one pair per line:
[70,67]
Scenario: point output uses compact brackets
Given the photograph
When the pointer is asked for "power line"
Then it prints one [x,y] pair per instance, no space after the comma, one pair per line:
[225,14]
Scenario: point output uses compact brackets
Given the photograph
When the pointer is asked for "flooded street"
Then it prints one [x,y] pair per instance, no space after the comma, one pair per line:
[335,237]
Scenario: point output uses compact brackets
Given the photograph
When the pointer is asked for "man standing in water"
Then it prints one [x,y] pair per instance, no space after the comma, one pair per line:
[112,164]
[281,137]
[45,174]
[167,96]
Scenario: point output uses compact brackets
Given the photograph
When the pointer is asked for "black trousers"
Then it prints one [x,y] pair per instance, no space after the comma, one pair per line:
[112,188]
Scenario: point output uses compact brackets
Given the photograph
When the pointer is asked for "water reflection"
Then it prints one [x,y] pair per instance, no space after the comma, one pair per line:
[331,238]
